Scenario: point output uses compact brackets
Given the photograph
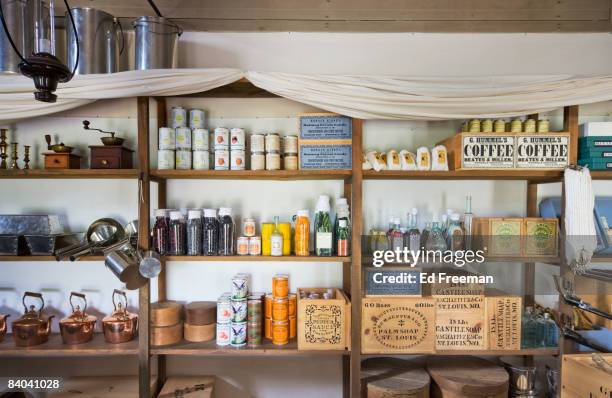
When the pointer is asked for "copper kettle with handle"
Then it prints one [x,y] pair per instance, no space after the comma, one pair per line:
[120,326]
[3,326]
[78,327]
[31,329]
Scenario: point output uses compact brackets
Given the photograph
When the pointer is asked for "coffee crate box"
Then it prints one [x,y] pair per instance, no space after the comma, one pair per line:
[503,320]
[480,151]
[460,322]
[543,151]
[325,141]
[497,236]
[541,236]
[392,281]
[398,325]
[323,324]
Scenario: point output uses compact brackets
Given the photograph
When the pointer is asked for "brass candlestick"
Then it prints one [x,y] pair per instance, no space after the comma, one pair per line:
[3,149]
[26,157]
[14,165]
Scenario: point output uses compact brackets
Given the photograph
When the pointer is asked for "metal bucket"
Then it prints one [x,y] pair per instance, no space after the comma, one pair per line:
[98,41]
[156,43]
[18,24]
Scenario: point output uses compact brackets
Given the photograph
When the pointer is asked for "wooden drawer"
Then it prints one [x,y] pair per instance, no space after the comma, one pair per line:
[110,157]
[106,162]
[62,161]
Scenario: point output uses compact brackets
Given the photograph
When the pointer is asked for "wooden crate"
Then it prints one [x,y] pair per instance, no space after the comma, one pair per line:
[95,387]
[188,387]
[516,236]
[582,378]
[503,321]
[542,151]
[460,322]
[398,325]
[324,324]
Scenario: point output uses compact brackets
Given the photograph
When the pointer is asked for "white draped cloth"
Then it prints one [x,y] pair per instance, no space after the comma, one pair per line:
[366,97]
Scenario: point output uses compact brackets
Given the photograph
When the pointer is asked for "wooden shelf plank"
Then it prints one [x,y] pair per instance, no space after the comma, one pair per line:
[526,351]
[307,259]
[69,174]
[56,348]
[46,258]
[252,174]
[210,348]
[520,175]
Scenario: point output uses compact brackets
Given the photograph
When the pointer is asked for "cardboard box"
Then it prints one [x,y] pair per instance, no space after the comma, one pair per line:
[503,321]
[325,141]
[398,325]
[323,324]
[188,387]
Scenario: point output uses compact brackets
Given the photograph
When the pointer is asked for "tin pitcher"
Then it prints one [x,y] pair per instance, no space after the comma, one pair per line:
[120,326]
[79,327]
[31,329]
[3,326]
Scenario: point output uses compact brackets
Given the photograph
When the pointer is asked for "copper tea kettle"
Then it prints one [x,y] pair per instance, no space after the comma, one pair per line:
[78,327]
[31,329]
[3,326]
[120,326]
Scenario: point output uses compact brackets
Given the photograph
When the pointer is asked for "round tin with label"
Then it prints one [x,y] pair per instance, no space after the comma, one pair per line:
[178,117]
[200,139]
[223,334]
[238,334]
[183,160]
[290,144]
[221,140]
[258,161]
[221,159]
[166,138]
[183,138]
[196,118]
[201,160]
[224,310]
[273,160]
[237,159]
[237,138]
[165,159]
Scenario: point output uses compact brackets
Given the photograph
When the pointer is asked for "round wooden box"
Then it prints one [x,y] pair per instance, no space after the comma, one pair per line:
[199,333]
[391,377]
[165,313]
[467,377]
[200,313]
[165,335]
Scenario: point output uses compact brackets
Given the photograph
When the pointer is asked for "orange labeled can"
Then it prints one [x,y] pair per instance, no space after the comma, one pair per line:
[268,306]
[280,286]
[280,309]
[292,327]
[292,304]
[280,332]
[268,328]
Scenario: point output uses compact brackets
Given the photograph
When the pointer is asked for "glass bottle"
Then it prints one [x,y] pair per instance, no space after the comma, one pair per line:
[468,218]
[343,235]
[161,230]
[444,226]
[341,206]
[552,333]
[226,232]
[301,233]
[323,227]
[177,234]
[276,240]
[210,233]
[194,233]
[541,329]
[425,233]
[528,329]
[455,233]
[435,239]
[395,237]
[413,235]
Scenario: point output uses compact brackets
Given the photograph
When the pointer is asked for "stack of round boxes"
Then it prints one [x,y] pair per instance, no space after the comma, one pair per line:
[254,319]
[229,149]
[237,144]
[258,155]
[280,311]
[290,152]
[177,142]
[272,144]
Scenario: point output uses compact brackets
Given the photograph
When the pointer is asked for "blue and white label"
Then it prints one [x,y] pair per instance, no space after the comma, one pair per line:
[326,157]
[326,127]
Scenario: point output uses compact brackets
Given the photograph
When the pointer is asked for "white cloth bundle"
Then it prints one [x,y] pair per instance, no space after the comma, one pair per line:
[581,238]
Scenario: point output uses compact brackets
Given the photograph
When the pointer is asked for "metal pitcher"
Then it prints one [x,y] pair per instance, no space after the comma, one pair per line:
[156,43]
[98,34]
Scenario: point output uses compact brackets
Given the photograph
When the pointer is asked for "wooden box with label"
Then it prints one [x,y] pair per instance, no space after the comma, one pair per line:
[503,321]
[323,324]
[460,323]
[516,236]
[110,157]
[398,325]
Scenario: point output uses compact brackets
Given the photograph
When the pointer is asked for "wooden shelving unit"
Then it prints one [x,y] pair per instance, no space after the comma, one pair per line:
[210,348]
[289,175]
[294,259]
[70,174]
[47,258]
[56,348]
[485,353]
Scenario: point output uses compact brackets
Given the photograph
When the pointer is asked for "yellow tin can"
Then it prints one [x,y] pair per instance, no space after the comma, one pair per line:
[292,327]
[280,309]
[268,306]
[266,233]
[280,332]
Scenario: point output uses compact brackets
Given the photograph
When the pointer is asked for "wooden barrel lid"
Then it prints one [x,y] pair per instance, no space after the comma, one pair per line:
[164,335]
[199,333]
[199,313]
[165,313]
[391,377]
[468,376]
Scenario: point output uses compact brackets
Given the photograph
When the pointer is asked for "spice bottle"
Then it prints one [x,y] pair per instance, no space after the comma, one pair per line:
[177,234]
[413,235]
[194,233]
[341,207]
[455,233]
[226,232]
[161,230]
[395,237]
[435,238]
[343,237]
[302,233]
[276,240]
[323,227]
[210,233]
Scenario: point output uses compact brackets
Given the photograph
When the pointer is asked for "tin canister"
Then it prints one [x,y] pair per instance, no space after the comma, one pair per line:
[266,235]
[239,310]
[258,161]
[166,138]
[196,118]
[499,126]
[183,138]
[273,160]
[290,161]
[543,126]
[268,328]
[292,327]
[474,126]
[529,126]
[290,144]
[221,159]
[223,333]
[280,332]
[272,142]
[237,159]
[280,286]
[253,334]
[240,287]
[280,309]
[183,160]
[237,138]
[516,126]
[224,309]
[255,245]
[201,160]
[165,159]
[285,230]
[254,309]
[486,126]
[178,117]
[292,305]
[200,139]
[257,143]
[248,227]
[242,246]
[238,334]
[221,140]
[268,305]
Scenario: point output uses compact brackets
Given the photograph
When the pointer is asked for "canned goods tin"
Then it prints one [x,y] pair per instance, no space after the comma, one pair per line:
[292,305]
[238,334]
[272,142]
[543,126]
[253,334]
[268,328]
[280,286]
[183,138]
[165,159]
[237,159]
[516,126]
[239,287]
[258,161]
[196,118]
[290,144]
[201,160]
[499,126]
[224,309]
[200,139]
[255,246]
[221,140]
[474,126]
[223,333]
[237,138]
[280,309]
[257,143]
[242,246]
[166,138]
[221,159]
[292,327]
[530,126]
[239,310]
[183,160]
[290,161]
[280,332]
[273,160]
[248,227]
[178,117]
[254,310]
[266,234]
[486,126]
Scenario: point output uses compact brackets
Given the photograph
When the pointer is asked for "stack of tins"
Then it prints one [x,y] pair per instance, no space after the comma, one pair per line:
[166,323]
[280,312]
[392,377]
[467,377]
[254,319]
[200,321]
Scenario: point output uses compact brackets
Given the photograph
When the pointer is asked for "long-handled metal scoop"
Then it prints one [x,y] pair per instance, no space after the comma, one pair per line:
[101,233]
